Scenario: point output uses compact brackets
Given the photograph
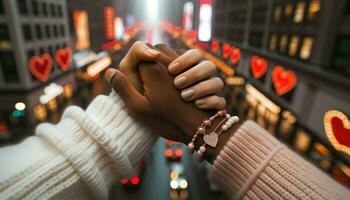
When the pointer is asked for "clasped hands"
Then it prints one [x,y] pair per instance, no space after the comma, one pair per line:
[169,92]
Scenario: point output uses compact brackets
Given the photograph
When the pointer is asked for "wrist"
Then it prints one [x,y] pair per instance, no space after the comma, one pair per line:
[191,127]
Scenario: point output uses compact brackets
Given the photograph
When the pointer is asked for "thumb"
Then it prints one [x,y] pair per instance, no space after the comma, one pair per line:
[136,103]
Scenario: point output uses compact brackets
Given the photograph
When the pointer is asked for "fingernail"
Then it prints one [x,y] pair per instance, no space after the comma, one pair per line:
[179,82]
[200,102]
[109,74]
[152,51]
[172,67]
[187,94]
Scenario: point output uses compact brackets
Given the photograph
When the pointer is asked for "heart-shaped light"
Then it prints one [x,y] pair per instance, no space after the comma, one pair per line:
[235,55]
[64,58]
[283,80]
[337,128]
[258,66]
[211,139]
[226,50]
[41,66]
[215,45]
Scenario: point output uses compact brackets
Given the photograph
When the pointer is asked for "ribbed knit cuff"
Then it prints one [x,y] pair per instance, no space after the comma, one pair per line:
[243,159]
[110,114]
[102,143]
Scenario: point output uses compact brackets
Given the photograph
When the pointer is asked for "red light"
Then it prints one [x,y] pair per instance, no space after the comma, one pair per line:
[135,180]
[178,152]
[124,181]
[168,153]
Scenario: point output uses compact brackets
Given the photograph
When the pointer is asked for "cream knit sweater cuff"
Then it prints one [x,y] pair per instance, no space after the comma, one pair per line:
[255,165]
[102,143]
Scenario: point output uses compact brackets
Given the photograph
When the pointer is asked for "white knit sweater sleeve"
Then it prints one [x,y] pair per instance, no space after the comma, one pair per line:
[79,157]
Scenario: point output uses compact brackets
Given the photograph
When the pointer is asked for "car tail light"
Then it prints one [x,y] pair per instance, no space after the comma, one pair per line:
[135,180]
[124,181]
[178,152]
[168,153]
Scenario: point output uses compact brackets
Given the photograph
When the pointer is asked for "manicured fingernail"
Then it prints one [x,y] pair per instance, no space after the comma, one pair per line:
[173,66]
[109,74]
[200,102]
[187,94]
[179,82]
[152,51]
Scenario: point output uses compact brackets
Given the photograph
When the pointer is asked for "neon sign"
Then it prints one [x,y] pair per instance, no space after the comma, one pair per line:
[41,66]
[337,128]
[109,17]
[81,28]
[205,13]
[283,80]
[64,58]
[258,66]
[235,55]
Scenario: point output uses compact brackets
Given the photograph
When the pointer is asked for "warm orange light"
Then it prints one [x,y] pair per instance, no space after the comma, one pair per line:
[99,66]
[81,28]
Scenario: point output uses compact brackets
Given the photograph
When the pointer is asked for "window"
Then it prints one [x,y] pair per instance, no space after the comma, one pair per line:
[288,10]
[277,14]
[299,12]
[313,10]
[293,45]
[342,55]
[53,11]
[41,51]
[30,54]
[59,11]
[347,9]
[44,7]
[62,30]
[35,8]
[9,67]
[55,31]
[283,43]
[47,31]
[4,32]
[306,48]
[2,10]
[22,7]
[272,44]
[39,34]
[5,41]
[27,33]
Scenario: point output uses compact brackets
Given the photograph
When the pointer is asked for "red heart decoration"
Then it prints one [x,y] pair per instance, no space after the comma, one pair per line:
[226,50]
[64,58]
[258,66]
[235,55]
[40,67]
[215,46]
[283,80]
[337,128]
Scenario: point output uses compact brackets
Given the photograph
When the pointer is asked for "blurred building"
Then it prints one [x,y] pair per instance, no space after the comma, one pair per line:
[32,31]
[310,39]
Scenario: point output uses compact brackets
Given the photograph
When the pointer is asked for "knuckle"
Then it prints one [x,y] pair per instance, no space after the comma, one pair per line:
[219,83]
[210,65]
[195,52]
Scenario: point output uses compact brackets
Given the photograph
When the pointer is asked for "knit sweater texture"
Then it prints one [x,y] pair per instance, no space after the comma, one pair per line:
[82,155]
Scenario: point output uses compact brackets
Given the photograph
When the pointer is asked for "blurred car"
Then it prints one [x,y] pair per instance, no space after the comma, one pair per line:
[173,150]
[178,182]
[134,181]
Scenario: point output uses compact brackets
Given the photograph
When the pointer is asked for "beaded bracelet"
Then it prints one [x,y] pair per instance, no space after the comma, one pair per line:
[212,138]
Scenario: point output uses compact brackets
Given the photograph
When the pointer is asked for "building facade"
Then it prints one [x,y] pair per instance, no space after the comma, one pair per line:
[30,28]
